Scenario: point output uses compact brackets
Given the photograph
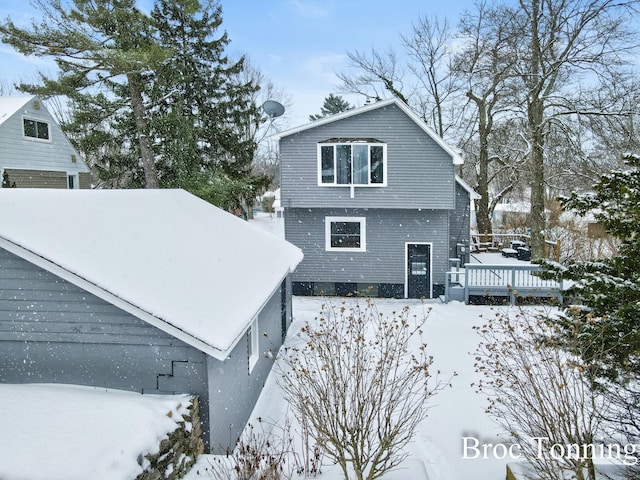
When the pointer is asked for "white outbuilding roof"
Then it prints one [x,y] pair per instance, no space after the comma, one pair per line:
[165,256]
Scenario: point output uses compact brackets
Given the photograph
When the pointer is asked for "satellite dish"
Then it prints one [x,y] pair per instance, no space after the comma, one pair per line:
[273,108]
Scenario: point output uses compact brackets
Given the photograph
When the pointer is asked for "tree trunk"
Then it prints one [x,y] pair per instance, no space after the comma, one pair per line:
[538,219]
[483,215]
[146,153]
[535,107]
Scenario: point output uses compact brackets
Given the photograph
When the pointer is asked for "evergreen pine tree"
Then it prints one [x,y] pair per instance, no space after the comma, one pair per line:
[606,293]
[332,104]
[102,45]
[196,103]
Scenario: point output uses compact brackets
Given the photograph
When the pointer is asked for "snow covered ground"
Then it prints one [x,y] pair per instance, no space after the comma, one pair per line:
[436,453]
[55,432]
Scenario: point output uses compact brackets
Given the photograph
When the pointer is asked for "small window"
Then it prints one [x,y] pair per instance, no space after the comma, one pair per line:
[361,163]
[253,343]
[36,129]
[345,234]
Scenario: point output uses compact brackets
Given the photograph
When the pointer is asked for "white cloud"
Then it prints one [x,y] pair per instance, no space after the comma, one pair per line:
[311,9]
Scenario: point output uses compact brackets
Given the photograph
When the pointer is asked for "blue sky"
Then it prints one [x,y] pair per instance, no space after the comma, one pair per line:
[297,44]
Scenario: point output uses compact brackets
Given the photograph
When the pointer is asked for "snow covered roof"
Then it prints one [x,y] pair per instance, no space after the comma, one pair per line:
[472,193]
[165,256]
[10,105]
[455,154]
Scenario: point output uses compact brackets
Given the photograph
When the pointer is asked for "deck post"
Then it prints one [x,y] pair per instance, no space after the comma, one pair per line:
[466,285]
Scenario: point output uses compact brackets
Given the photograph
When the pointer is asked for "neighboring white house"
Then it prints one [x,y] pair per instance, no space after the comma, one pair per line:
[34,151]
[153,291]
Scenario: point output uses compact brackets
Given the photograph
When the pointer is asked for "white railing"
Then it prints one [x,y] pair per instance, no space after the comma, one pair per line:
[513,281]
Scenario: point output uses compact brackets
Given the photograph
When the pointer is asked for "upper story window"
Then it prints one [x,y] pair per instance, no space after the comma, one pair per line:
[352,162]
[36,129]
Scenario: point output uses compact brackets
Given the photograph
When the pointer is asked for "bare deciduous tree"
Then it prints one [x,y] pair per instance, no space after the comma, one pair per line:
[380,73]
[564,46]
[539,394]
[428,51]
[484,63]
[361,383]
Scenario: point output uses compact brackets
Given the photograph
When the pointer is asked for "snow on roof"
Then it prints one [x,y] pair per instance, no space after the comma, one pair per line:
[167,256]
[472,193]
[455,153]
[10,105]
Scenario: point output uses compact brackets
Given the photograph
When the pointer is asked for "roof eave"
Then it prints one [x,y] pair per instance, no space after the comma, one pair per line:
[455,155]
[113,299]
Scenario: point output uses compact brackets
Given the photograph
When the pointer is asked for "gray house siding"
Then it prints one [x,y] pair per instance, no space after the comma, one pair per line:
[459,223]
[52,331]
[419,172]
[235,388]
[21,153]
[387,233]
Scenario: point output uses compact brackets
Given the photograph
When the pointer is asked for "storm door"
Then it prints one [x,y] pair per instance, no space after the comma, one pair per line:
[419,270]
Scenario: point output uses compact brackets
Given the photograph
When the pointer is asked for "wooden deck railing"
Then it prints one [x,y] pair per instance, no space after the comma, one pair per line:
[512,281]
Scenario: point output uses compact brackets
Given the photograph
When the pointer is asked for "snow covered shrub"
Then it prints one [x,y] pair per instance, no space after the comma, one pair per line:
[360,383]
[542,396]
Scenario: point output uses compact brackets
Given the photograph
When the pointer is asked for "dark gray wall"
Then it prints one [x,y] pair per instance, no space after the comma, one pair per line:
[459,226]
[419,172]
[235,389]
[54,332]
[388,231]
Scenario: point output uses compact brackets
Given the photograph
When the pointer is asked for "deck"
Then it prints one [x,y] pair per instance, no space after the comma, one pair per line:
[505,279]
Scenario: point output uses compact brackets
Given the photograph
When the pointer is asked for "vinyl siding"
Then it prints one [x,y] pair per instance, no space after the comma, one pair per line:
[54,332]
[37,178]
[459,221]
[85,180]
[234,389]
[20,152]
[388,232]
[419,172]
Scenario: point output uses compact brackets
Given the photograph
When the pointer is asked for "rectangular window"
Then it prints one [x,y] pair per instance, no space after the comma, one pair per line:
[345,234]
[36,129]
[357,163]
[253,344]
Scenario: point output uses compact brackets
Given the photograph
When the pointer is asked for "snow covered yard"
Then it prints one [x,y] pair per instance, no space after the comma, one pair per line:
[54,432]
[436,453]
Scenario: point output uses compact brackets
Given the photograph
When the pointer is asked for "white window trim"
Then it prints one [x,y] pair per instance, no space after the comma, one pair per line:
[363,234]
[36,119]
[365,185]
[253,344]
[76,179]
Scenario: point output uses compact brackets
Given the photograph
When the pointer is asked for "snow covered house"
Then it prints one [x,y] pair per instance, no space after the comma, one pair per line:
[153,291]
[371,197]
[35,150]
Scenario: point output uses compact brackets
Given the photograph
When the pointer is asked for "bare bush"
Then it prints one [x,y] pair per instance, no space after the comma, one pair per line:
[360,383]
[542,396]
[259,454]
